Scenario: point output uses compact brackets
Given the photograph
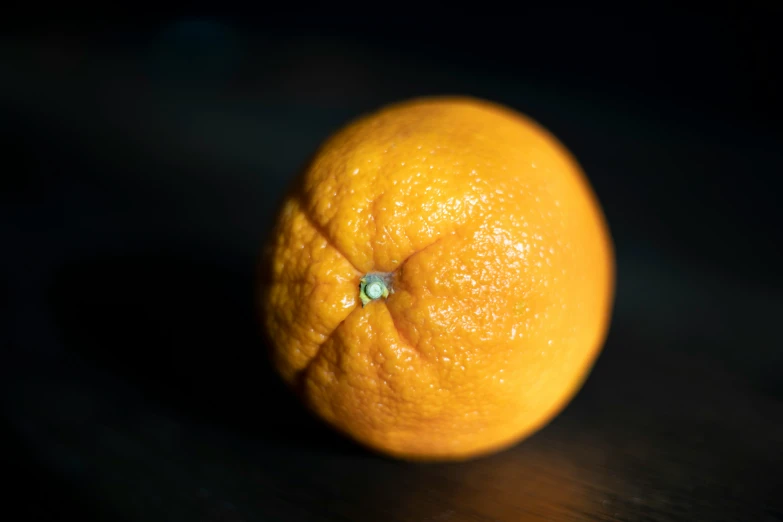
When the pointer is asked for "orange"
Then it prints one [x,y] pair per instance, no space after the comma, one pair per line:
[440,280]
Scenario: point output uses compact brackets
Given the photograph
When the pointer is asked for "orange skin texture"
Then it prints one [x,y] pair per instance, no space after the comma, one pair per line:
[501,270]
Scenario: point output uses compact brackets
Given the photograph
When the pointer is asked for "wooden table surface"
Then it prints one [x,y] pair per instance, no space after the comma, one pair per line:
[134,382]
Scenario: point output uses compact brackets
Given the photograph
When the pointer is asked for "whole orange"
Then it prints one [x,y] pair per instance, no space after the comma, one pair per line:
[440,279]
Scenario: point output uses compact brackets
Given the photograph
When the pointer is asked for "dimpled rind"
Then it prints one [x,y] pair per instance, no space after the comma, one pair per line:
[501,279]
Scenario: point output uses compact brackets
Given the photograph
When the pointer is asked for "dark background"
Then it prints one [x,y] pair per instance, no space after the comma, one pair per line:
[141,168]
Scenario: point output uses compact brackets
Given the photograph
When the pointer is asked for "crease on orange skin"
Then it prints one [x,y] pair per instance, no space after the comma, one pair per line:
[373,372]
[313,276]
[318,240]
[319,230]
[342,198]
[431,372]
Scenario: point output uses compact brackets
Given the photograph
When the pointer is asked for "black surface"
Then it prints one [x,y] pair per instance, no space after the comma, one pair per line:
[143,171]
